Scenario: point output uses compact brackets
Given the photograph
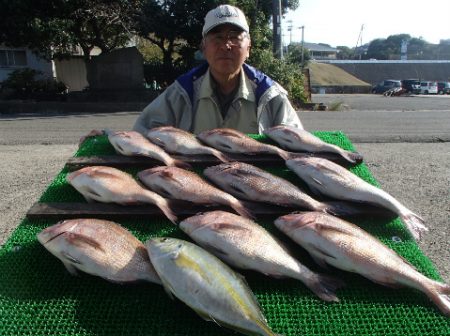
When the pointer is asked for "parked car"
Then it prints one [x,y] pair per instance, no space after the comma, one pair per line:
[386,85]
[443,87]
[411,85]
[428,87]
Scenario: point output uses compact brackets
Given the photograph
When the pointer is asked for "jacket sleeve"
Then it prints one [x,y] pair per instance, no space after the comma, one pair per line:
[165,110]
[281,112]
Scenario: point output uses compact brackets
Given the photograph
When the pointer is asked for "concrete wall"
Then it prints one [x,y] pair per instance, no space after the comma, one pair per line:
[72,72]
[374,71]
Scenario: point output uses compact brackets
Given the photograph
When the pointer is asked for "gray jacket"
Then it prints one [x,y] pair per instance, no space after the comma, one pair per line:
[190,104]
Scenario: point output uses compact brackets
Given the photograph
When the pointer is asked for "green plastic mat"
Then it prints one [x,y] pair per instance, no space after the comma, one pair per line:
[39,297]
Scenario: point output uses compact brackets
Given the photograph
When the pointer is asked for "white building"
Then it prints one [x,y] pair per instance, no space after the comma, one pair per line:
[19,58]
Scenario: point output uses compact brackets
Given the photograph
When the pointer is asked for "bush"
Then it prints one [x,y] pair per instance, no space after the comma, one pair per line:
[289,75]
[26,84]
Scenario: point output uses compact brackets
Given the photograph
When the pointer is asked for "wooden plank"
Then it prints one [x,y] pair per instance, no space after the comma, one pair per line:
[110,210]
[180,208]
[120,161]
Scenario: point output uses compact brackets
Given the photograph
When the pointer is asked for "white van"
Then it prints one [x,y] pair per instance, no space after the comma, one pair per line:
[428,87]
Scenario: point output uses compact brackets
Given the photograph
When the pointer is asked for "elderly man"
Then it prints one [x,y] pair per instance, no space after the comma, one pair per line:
[224,91]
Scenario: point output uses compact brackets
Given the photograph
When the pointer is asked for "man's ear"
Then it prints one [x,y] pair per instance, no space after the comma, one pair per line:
[202,45]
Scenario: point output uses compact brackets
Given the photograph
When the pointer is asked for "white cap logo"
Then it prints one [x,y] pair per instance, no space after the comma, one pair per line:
[225,14]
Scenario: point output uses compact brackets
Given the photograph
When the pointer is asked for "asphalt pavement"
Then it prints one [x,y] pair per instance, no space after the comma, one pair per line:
[404,140]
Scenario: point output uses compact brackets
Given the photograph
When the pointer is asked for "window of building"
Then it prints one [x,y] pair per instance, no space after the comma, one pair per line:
[13,58]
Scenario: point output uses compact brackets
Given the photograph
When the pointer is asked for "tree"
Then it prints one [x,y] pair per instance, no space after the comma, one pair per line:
[345,53]
[294,54]
[56,27]
[175,26]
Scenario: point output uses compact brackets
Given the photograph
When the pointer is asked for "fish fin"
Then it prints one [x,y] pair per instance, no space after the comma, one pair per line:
[325,286]
[319,256]
[157,141]
[71,259]
[238,190]
[118,282]
[386,283]
[317,181]
[168,290]
[224,146]
[439,293]
[71,268]
[342,208]
[168,176]
[316,191]
[90,194]
[215,250]
[205,316]
[140,153]
[415,224]
[286,136]
[230,133]
[352,157]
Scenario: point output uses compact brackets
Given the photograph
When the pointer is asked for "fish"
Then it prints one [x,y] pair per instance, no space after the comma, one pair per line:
[100,248]
[233,141]
[336,242]
[299,140]
[132,143]
[248,182]
[177,141]
[328,178]
[242,243]
[177,183]
[207,285]
[110,185]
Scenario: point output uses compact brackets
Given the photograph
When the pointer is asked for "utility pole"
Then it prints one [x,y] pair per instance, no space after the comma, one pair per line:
[359,42]
[277,39]
[289,28]
[303,45]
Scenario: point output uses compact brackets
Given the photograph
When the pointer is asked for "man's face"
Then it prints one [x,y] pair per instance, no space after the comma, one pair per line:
[225,48]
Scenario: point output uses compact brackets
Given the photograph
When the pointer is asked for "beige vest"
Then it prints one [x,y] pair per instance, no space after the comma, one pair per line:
[241,114]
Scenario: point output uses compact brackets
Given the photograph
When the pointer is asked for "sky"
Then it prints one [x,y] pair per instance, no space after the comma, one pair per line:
[339,22]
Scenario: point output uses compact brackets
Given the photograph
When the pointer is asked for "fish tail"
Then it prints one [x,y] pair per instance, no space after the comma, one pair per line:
[242,210]
[285,155]
[162,204]
[352,157]
[222,157]
[415,224]
[181,164]
[325,286]
[439,293]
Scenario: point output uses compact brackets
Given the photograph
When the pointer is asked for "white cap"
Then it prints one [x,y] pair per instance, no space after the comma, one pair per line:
[225,14]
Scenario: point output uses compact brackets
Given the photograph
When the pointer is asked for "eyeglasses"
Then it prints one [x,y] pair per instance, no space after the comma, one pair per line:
[233,36]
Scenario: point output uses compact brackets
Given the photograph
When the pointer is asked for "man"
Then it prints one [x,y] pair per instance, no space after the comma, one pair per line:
[224,91]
